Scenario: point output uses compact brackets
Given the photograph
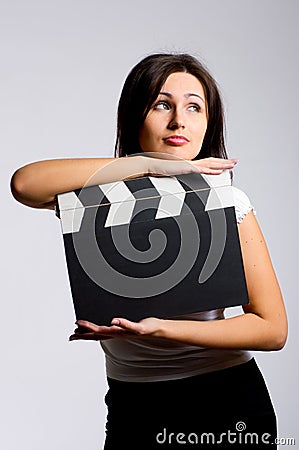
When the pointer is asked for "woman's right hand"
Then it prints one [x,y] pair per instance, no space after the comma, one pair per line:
[209,166]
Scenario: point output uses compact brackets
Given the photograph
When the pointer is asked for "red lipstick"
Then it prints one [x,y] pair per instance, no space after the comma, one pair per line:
[176,140]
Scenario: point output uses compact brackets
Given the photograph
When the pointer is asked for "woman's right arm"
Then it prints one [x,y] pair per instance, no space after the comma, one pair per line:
[36,184]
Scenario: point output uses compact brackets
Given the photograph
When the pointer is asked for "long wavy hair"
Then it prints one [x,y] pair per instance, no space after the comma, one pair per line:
[142,87]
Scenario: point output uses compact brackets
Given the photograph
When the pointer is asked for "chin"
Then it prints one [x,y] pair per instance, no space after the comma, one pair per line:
[179,152]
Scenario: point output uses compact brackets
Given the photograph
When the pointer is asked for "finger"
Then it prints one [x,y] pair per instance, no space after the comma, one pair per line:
[81,330]
[108,333]
[126,324]
[215,163]
[215,159]
[94,336]
[208,171]
[85,337]
[87,325]
[97,337]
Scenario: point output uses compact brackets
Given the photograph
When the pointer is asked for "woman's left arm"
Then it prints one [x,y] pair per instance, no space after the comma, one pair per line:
[264,324]
[262,327]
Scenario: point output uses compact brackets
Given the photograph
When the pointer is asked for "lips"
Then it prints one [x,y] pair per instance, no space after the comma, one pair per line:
[176,140]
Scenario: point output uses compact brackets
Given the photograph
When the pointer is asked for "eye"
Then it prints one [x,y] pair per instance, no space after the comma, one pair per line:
[162,105]
[194,107]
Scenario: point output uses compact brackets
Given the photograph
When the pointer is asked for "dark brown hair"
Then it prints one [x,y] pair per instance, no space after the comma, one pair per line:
[141,89]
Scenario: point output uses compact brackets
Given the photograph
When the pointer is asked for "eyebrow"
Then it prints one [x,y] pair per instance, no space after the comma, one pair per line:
[189,94]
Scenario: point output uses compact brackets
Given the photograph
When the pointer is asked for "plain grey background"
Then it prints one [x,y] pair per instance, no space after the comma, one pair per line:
[63,63]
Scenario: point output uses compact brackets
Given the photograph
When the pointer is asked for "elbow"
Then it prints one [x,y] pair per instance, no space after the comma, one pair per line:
[278,339]
[280,342]
[32,186]
[23,190]
[18,185]
[273,332]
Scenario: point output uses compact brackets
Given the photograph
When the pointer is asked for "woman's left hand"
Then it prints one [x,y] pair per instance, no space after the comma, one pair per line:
[119,328]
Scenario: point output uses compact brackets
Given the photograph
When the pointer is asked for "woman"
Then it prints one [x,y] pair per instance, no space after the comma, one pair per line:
[188,380]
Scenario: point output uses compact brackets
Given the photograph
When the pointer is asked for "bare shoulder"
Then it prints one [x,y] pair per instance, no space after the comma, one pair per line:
[263,288]
[252,241]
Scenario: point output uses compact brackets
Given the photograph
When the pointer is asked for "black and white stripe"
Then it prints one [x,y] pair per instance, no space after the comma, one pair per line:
[162,196]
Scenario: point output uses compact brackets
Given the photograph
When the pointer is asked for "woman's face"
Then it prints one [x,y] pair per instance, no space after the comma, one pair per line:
[177,122]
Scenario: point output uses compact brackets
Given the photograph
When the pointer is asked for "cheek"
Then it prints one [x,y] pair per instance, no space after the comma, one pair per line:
[201,129]
[144,137]
[147,132]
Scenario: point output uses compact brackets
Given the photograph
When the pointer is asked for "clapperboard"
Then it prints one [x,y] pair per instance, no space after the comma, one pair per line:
[152,247]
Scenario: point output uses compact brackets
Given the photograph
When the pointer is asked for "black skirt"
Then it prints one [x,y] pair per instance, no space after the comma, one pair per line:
[224,409]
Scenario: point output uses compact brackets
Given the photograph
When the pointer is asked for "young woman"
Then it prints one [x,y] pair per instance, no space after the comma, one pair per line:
[188,380]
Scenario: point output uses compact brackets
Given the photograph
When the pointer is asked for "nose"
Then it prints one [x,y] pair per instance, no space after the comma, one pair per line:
[176,121]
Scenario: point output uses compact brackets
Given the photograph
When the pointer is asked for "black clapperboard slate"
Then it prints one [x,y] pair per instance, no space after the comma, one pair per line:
[152,247]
